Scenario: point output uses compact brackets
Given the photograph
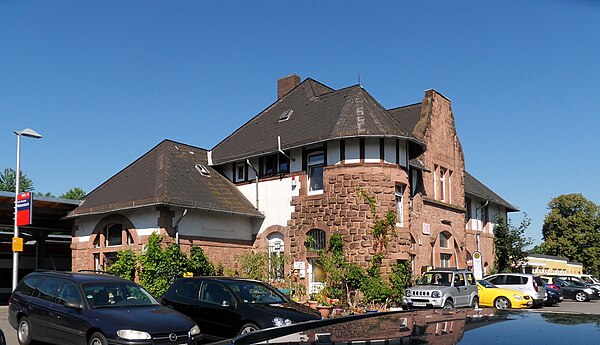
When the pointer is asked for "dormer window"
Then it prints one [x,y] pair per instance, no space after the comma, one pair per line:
[240,172]
[285,115]
[202,170]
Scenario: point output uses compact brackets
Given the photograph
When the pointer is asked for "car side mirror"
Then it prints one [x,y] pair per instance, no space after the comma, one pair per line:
[73,304]
[226,304]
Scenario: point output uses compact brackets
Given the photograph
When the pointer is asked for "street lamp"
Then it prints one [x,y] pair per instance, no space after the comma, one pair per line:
[27,132]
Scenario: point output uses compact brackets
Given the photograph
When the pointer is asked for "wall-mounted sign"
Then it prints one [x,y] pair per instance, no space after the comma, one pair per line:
[299,265]
[426,229]
[24,209]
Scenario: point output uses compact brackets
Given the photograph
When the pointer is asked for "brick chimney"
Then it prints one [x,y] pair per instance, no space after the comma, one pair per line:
[286,84]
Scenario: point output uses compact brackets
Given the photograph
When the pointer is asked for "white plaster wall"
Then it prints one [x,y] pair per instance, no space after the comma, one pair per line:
[333,152]
[296,164]
[352,151]
[213,224]
[389,153]
[274,201]
[141,219]
[372,150]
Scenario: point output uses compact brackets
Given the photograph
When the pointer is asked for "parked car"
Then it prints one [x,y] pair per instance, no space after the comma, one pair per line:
[90,308]
[526,283]
[225,307]
[492,296]
[554,293]
[579,281]
[574,290]
[443,288]
[433,327]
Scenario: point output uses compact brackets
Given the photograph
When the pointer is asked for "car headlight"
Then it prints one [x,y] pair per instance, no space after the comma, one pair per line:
[131,334]
[435,294]
[517,297]
[407,293]
[279,321]
[195,330]
[588,290]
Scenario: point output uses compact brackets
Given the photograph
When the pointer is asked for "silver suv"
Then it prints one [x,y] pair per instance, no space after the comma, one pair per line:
[443,288]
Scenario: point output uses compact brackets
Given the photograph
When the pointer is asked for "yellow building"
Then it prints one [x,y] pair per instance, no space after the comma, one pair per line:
[548,264]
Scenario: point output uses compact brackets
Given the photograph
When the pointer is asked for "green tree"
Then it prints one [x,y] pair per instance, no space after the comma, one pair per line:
[571,229]
[199,264]
[74,193]
[8,181]
[125,265]
[510,243]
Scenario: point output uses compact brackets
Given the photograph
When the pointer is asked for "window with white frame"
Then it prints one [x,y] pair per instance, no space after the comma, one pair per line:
[315,164]
[240,172]
[445,260]
[113,235]
[399,205]
[443,178]
[276,256]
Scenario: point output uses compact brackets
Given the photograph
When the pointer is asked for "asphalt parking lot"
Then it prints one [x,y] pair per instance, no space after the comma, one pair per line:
[591,307]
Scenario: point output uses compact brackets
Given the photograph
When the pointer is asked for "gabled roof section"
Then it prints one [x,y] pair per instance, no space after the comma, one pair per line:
[170,174]
[478,189]
[319,114]
[407,115]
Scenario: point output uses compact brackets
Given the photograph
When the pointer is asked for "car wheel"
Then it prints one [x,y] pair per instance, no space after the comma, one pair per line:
[581,297]
[501,303]
[448,304]
[24,331]
[248,327]
[475,303]
[97,339]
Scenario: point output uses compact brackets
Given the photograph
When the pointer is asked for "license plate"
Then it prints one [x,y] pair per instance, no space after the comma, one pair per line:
[419,304]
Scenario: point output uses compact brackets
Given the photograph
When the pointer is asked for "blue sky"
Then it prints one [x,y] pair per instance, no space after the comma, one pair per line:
[105,81]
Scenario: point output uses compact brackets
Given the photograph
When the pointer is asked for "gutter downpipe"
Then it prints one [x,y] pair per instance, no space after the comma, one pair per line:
[482,226]
[177,225]
[255,179]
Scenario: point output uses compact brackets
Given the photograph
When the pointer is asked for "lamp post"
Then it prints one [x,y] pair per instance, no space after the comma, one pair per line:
[27,132]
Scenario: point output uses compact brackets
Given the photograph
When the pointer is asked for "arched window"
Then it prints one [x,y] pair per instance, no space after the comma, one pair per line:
[113,235]
[315,240]
[276,256]
[444,240]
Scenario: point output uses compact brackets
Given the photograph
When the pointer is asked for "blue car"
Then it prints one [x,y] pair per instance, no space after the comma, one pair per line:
[554,293]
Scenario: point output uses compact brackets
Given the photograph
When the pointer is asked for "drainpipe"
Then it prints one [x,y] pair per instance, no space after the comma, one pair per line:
[255,180]
[281,151]
[477,218]
[177,226]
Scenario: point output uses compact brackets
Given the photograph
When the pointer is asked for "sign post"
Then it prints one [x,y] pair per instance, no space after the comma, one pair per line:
[477,266]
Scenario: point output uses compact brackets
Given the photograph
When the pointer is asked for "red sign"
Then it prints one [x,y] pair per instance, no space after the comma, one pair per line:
[24,209]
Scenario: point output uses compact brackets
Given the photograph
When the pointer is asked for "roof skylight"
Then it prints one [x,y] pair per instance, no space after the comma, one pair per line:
[285,115]
[202,170]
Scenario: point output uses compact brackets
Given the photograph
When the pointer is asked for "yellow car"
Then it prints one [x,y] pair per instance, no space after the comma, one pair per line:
[492,296]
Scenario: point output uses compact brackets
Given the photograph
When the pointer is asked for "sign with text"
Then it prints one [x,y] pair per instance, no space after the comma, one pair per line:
[24,209]
[477,266]
[426,229]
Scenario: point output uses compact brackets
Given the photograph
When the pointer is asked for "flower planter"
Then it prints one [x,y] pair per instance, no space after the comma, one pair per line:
[313,304]
[325,310]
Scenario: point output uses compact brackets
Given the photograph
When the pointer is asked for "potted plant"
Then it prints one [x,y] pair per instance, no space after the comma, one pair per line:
[324,305]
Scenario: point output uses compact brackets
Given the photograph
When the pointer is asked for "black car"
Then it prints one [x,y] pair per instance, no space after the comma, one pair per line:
[433,327]
[554,294]
[575,290]
[95,309]
[225,307]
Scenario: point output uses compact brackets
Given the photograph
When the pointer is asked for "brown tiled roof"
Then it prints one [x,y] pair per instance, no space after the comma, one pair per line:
[407,115]
[167,175]
[318,114]
[478,189]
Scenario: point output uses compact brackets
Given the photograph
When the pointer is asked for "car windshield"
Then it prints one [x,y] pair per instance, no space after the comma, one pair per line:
[256,292]
[117,294]
[436,278]
[486,284]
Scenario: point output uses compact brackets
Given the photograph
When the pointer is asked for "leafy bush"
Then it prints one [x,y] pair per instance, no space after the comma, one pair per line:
[125,265]
[200,265]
